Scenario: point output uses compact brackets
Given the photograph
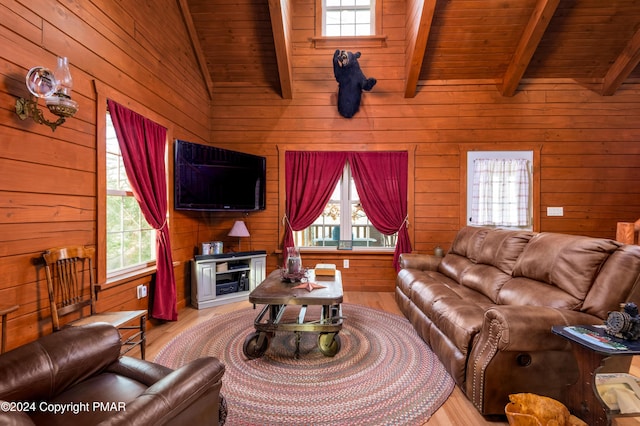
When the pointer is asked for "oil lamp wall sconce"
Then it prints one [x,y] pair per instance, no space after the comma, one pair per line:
[54,88]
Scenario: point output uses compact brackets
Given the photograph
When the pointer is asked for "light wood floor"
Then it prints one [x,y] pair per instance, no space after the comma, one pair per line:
[457,410]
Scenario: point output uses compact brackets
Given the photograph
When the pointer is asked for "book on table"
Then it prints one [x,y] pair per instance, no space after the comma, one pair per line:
[595,337]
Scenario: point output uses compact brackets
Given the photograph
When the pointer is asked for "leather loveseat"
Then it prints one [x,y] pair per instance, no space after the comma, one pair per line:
[77,377]
[487,307]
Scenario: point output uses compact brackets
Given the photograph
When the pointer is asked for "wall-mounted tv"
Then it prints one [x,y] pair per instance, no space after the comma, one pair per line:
[207,178]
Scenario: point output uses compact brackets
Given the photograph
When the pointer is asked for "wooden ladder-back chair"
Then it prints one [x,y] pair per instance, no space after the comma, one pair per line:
[71,287]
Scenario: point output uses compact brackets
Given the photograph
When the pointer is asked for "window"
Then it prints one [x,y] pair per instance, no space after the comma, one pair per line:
[333,225]
[348,18]
[499,189]
[131,241]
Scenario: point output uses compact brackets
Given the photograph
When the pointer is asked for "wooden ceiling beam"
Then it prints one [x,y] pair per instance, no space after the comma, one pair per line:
[535,29]
[195,45]
[420,16]
[624,64]
[279,11]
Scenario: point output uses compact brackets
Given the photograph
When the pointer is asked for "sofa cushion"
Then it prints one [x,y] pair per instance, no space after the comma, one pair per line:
[502,247]
[457,311]
[569,262]
[111,391]
[485,279]
[436,286]
[458,319]
[525,291]
[468,242]
[618,277]
[454,265]
[494,254]
[406,278]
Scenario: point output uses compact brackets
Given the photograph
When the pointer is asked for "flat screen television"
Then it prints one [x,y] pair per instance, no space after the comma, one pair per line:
[215,179]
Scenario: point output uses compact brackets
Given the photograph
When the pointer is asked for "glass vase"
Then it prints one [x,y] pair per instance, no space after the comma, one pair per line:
[294,262]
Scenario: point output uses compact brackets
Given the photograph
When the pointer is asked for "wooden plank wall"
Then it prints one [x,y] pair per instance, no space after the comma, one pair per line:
[589,145]
[48,179]
[590,150]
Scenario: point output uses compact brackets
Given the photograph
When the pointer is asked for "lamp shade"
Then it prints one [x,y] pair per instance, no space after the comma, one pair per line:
[239,229]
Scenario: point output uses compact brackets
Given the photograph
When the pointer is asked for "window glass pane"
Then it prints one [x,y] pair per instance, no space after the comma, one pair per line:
[112,139]
[348,2]
[114,250]
[130,214]
[114,214]
[332,18]
[348,17]
[112,171]
[362,30]
[362,17]
[148,244]
[332,31]
[332,3]
[116,174]
[348,30]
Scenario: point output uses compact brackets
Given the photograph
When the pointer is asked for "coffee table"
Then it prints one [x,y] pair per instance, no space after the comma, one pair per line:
[286,310]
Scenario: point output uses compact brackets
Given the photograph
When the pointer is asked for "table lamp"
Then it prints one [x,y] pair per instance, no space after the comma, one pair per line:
[239,230]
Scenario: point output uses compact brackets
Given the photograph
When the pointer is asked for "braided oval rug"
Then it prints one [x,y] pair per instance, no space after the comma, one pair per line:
[384,374]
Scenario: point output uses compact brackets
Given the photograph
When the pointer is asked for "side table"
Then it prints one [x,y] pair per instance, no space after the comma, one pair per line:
[595,352]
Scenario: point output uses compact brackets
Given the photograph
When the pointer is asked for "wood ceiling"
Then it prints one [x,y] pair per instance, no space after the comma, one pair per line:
[594,42]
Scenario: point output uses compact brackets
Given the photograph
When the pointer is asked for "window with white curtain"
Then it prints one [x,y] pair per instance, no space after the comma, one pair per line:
[500,189]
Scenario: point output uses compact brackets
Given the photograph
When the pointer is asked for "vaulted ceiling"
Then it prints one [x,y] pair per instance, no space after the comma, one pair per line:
[594,42]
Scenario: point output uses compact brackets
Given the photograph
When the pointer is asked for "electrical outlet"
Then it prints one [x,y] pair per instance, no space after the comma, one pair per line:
[141,291]
[555,211]
[345,263]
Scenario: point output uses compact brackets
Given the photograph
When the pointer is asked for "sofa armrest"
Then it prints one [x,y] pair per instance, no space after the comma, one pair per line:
[422,262]
[528,328]
[139,370]
[516,351]
[174,394]
[42,369]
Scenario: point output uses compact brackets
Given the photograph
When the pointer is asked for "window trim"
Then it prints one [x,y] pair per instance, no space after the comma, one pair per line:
[378,39]
[104,92]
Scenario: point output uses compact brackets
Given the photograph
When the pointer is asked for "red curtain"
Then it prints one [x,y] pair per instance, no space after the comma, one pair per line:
[143,146]
[381,181]
[310,178]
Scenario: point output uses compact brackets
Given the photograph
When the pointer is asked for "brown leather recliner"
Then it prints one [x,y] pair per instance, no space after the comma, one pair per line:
[76,376]
[487,307]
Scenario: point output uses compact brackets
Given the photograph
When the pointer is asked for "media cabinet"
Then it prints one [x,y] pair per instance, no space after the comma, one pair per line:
[217,279]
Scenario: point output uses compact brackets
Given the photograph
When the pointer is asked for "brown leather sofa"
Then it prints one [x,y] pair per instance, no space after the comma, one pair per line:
[77,377]
[487,307]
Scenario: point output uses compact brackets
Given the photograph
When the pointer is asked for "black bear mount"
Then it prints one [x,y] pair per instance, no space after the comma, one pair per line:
[351,82]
